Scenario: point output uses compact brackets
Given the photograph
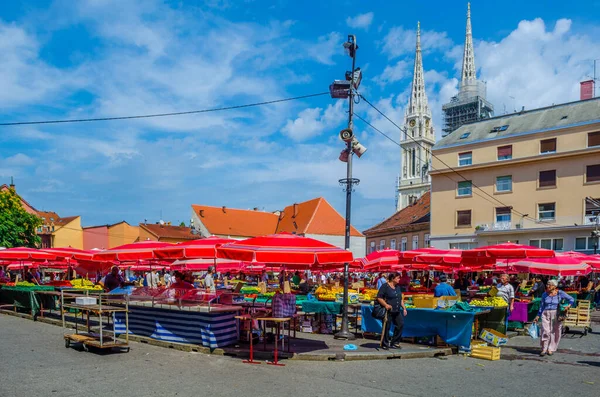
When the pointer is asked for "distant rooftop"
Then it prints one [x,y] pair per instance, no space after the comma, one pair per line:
[530,121]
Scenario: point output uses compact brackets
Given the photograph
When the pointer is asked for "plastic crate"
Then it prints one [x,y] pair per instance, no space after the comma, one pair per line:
[485,352]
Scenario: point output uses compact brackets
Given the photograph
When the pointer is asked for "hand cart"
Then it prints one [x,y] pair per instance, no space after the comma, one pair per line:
[579,317]
[101,339]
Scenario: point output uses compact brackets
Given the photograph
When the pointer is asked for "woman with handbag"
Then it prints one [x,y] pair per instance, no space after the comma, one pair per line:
[390,297]
[550,313]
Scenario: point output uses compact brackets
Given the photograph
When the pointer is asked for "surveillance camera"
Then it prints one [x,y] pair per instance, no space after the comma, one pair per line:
[347,135]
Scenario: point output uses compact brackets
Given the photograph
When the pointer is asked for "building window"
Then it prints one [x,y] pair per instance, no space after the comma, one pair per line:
[504,183]
[464,188]
[594,139]
[404,243]
[427,241]
[463,218]
[548,178]
[584,243]
[555,244]
[546,212]
[503,214]
[372,247]
[465,159]
[415,242]
[592,173]
[591,212]
[463,246]
[548,146]
[465,135]
[393,243]
[381,245]
[505,152]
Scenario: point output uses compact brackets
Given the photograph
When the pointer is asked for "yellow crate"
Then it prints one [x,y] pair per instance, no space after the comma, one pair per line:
[484,352]
[425,302]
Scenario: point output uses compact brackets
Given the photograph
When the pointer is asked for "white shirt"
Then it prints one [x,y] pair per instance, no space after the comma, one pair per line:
[323,279]
[152,280]
[506,292]
[167,279]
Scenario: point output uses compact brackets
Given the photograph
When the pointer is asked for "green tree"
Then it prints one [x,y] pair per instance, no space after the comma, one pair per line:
[17,226]
[182,224]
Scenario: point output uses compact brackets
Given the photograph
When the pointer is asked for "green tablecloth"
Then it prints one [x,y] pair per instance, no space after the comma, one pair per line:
[26,298]
[321,307]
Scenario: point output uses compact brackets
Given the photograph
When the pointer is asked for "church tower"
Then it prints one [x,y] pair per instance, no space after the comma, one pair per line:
[417,139]
[470,104]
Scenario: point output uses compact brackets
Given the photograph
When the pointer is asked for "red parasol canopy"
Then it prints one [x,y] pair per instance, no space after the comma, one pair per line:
[70,253]
[22,266]
[200,265]
[131,252]
[202,248]
[440,257]
[286,249]
[386,258]
[505,251]
[25,254]
[557,266]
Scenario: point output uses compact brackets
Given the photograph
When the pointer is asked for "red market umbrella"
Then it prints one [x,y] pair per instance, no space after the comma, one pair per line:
[442,257]
[22,266]
[91,267]
[201,265]
[202,248]
[286,249]
[142,250]
[380,259]
[25,254]
[70,253]
[557,266]
[504,251]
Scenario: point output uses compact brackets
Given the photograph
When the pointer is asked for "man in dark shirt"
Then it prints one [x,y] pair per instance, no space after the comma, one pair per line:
[113,279]
[538,288]
[461,283]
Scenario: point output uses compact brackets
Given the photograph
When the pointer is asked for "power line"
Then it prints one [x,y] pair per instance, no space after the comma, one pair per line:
[146,116]
[549,223]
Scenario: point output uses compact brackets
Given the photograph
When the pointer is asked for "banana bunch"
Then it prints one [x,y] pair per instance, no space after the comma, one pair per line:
[489,301]
[90,288]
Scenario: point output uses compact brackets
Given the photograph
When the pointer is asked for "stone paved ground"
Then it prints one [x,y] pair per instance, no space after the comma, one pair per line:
[34,362]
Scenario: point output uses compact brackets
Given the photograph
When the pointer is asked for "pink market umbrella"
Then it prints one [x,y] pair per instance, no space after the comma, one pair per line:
[142,250]
[285,249]
[504,251]
[70,253]
[557,266]
[25,254]
[200,265]
[205,248]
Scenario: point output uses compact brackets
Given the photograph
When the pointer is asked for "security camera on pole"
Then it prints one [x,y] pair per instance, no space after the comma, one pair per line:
[346,89]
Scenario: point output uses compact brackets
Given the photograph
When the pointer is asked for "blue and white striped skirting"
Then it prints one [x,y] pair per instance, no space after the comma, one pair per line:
[208,329]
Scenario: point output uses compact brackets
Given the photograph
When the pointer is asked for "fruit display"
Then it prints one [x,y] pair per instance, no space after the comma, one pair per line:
[25,284]
[408,306]
[489,301]
[329,292]
[368,294]
[250,290]
[81,282]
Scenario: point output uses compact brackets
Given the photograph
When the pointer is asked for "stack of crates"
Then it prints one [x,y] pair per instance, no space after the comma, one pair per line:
[579,316]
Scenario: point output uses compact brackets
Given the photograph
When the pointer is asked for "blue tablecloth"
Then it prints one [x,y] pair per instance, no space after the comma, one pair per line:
[455,328]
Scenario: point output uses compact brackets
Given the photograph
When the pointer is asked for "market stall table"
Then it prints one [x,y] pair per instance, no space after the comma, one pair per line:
[25,297]
[454,327]
[278,322]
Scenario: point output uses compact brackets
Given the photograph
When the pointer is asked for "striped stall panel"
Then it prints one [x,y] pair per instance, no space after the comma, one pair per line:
[208,329]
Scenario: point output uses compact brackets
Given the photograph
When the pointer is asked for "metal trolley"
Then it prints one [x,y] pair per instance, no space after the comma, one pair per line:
[96,336]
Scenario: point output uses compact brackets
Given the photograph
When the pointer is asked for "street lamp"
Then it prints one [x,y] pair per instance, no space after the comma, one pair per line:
[346,89]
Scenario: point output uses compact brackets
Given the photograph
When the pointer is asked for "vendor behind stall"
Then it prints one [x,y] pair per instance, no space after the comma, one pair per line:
[443,288]
[113,279]
[538,288]
[461,282]
[506,291]
[209,281]
[180,282]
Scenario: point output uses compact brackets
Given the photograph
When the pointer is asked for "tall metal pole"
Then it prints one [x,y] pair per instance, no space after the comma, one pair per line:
[345,333]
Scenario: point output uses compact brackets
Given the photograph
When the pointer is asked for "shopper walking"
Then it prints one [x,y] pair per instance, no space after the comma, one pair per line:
[549,313]
[390,297]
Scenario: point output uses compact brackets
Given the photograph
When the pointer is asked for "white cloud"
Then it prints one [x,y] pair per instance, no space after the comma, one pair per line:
[313,122]
[18,160]
[392,73]
[400,41]
[361,21]
[326,47]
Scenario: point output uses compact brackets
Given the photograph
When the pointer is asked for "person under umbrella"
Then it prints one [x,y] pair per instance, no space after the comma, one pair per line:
[549,313]
[390,297]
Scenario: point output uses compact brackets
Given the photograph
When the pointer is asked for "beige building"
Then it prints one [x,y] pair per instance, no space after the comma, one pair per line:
[523,178]
[405,230]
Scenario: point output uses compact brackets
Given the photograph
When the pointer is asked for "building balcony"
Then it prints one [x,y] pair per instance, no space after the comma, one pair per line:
[496,226]
[589,219]
[522,224]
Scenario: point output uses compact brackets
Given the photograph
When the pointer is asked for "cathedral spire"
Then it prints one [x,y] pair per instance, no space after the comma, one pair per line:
[418,98]
[468,66]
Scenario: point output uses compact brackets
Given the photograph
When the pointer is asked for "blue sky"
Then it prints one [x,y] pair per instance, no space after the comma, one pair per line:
[100,58]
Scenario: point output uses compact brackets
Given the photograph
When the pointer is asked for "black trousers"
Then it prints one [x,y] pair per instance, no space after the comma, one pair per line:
[397,319]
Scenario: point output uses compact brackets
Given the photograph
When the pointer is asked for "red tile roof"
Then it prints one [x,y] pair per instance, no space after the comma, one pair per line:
[411,215]
[168,231]
[224,221]
[315,216]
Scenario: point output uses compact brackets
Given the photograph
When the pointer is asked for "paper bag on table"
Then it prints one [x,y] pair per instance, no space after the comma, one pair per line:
[262,287]
[286,287]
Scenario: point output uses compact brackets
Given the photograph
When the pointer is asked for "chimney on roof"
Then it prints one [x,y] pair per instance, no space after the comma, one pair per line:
[522,110]
[224,209]
[12,183]
[295,210]
[255,208]
[201,212]
[586,90]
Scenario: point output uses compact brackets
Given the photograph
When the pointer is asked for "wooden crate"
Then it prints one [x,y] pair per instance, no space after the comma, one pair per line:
[485,352]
